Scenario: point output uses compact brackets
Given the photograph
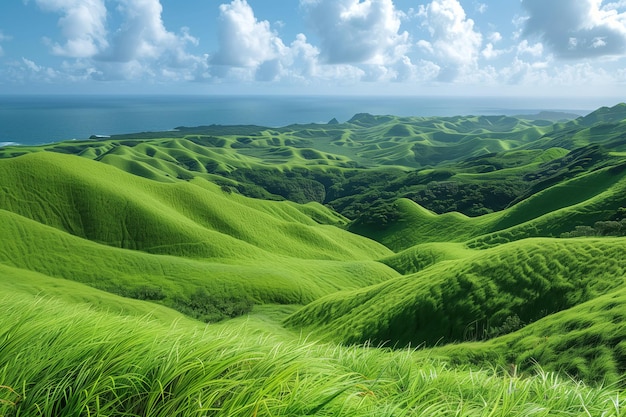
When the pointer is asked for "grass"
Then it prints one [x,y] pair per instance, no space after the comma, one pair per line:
[468,299]
[29,245]
[167,243]
[106,205]
[316,162]
[83,362]
[24,282]
[585,341]
[558,209]
[115,251]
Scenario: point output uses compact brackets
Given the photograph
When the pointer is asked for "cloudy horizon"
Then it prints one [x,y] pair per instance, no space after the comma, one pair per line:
[438,47]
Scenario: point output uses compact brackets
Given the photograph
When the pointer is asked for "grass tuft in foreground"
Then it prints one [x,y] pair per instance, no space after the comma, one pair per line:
[61,360]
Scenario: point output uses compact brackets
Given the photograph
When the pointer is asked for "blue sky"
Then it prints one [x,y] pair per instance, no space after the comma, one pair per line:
[440,47]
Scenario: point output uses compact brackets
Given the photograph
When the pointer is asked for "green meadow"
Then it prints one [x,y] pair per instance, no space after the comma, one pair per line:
[384,266]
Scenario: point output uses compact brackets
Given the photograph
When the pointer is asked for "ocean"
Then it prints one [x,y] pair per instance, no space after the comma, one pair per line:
[30,120]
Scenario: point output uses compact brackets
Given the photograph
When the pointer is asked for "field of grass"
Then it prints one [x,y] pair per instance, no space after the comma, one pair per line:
[585,341]
[584,200]
[466,299]
[385,266]
[83,362]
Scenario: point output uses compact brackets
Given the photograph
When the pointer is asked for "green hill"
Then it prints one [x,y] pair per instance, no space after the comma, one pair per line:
[321,256]
[455,301]
[584,200]
[76,219]
[489,162]
[585,341]
[83,362]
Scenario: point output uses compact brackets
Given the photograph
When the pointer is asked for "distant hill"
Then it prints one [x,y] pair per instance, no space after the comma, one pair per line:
[551,116]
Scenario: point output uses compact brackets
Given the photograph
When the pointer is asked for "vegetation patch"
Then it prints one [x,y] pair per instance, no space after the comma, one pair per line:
[384,266]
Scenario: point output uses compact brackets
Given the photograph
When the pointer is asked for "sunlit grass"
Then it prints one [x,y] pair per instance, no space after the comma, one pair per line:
[59,360]
[471,297]
[98,249]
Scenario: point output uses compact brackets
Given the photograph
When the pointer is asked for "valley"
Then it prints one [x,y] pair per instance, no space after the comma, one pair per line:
[388,266]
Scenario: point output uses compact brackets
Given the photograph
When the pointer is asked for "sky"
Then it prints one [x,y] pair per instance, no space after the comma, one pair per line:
[527,48]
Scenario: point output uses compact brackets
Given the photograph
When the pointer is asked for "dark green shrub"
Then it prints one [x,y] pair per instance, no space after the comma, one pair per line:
[211,308]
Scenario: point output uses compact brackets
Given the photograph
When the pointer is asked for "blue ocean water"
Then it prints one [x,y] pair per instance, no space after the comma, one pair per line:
[45,119]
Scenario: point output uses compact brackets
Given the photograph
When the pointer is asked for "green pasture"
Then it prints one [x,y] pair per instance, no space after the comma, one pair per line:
[385,266]
[84,362]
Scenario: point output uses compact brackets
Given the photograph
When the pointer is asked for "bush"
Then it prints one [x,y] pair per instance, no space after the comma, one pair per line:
[210,308]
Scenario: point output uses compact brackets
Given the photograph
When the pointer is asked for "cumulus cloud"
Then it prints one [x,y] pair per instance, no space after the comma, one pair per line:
[357,32]
[548,74]
[39,72]
[243,40]
[535,50]
[489,52]
[454,42]
[83,25]
[250,50]
[141,46]
[495,37]
[303,58]
[580,29]
[143,35]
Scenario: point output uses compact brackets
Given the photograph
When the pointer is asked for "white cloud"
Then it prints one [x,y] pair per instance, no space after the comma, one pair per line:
[357,32]
[454,42]
[494,37]
[489,52]
[38,72]
[426,46]
[303,58]
[576,30]
[140,47]
[243,40]
[405,70]
[250,50]
[535,50]
[614,5]
[83,25]
[142,34]
[533,76]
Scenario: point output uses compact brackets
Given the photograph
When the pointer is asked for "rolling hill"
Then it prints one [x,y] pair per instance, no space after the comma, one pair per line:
[382,266]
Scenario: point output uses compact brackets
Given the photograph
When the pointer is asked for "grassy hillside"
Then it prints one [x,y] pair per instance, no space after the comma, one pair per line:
[182,245]
[318,254]
[321,163]
[114,365]
[474,165]
[22,282]
[585,341]
[473,297]
[584,200]
[109,206]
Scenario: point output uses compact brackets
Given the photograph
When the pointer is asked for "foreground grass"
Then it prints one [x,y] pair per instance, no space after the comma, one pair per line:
[62,360]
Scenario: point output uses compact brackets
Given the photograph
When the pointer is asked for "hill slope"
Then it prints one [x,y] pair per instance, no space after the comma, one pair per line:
[404,231]
[454,301]
[183,245]
[82,362]
[584,200]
